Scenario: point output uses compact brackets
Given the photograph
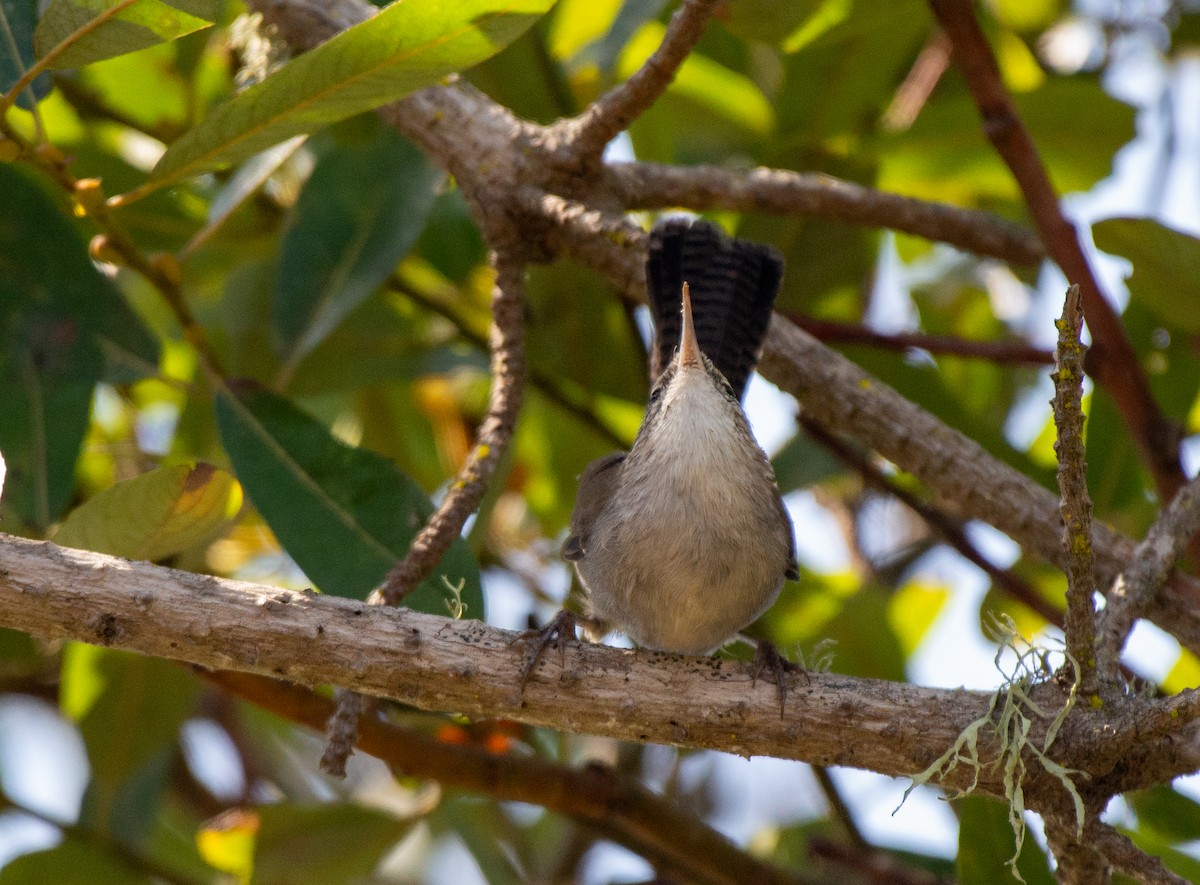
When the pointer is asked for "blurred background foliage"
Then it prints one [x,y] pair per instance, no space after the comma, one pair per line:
[345,290]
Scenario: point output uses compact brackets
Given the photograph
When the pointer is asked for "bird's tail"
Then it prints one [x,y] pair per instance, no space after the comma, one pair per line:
[733,287]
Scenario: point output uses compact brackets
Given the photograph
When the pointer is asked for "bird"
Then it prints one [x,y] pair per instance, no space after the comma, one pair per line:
[684,540]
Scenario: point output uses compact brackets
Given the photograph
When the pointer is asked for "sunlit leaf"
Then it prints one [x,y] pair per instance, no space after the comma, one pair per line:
[17,21]
[1164,260]
[406,46]
[913,610]
[227,842]
[61,321]
[78,32]
[362,209]
[155,515]
[345,515]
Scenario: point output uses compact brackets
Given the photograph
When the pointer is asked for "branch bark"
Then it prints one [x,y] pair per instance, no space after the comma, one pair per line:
[468,667]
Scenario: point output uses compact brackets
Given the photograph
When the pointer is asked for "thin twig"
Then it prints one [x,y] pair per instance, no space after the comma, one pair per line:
[611,114]
[1004,352]
[446,523]
[1147,573]
[839,810]
[1076,506]
[508,382]
[1113,362]
[783,192]
[617,806]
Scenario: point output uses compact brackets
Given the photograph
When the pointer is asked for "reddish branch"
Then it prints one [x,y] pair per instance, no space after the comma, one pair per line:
[617,807]
[1006,352]
[1113,362]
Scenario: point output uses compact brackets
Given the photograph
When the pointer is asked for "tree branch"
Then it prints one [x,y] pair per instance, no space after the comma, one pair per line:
[467,667]
[446,523]
[782,192]
[1001,352]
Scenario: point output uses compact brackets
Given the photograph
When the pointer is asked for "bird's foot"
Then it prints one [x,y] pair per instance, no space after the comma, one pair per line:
[557,631]
[769,663]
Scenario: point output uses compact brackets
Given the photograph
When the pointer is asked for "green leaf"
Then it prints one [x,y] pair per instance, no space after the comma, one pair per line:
[407,46]
[78,32]
[986,844]
[66,863]
[17,21]
[345,515]
[307,845]
[1164,261]
[362,209]
[59,319]
[155,515]
[107,692]
[1171,815]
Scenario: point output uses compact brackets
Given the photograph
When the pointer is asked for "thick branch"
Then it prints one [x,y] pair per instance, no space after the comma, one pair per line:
[468,667]
[781,192]
[434,663]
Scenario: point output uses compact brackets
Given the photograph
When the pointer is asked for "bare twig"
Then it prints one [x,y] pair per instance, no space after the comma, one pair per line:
[1004,352]
[616,806]
[446,523]
[610,114]
[575,404]
[1144,578]
[782,192]
[1076,506]
[871,866]
[1113,362]
[508,381]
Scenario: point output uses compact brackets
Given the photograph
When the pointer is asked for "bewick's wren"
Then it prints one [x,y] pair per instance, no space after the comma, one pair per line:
[684,541]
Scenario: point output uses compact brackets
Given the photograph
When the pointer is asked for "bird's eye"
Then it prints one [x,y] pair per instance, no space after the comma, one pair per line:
[655,394]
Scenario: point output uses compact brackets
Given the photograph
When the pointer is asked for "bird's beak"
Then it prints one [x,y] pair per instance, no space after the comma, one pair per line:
[689,348]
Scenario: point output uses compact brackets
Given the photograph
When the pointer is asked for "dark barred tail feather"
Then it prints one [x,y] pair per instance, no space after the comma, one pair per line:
[733,286]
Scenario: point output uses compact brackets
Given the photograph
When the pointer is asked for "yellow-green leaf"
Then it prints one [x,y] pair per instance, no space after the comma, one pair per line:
[73,33]
[155,515]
